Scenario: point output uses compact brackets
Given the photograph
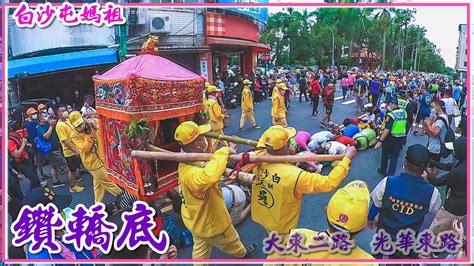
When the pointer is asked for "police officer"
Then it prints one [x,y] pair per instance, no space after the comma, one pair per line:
[402,103]
[392,137]
[406,201]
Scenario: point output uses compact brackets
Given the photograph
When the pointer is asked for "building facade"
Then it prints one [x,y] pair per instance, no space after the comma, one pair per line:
[201,39]
[461,54]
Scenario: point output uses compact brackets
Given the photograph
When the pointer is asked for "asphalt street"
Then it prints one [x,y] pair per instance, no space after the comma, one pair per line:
[363,167]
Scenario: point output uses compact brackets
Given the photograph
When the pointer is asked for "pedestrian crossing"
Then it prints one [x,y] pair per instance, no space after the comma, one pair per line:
[349,102]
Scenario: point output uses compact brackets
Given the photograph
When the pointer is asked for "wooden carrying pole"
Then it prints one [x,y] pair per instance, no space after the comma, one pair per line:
[192,157]
[232,139]
[243,176]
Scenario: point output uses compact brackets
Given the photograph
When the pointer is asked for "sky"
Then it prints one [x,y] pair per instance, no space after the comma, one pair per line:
[441,24]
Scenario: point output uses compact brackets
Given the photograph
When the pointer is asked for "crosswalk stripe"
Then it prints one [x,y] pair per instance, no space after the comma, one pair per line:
[338,98]
[349,102]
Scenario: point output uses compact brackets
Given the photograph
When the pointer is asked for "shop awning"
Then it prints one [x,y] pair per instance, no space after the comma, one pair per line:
[256,47]
[57,62]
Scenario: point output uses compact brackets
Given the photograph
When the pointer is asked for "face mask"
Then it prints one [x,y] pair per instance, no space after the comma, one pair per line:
[65,114]
[34,117]
[390,108]
[433,111]
[46,119]
[76,93]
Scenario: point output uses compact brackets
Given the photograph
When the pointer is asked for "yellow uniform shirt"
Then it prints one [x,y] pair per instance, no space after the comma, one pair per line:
[278,192]
[90,148]
[247,102]
[278,106]
[64,129]
[356,252]
[216,115]
[203,210]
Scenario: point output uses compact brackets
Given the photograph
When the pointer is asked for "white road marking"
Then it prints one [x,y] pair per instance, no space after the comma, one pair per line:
[349,102]
[338,98]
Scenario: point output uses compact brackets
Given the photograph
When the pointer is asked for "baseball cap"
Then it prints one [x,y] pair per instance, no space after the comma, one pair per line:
[41,107]
[188,131]
[246,81]
[348,208]
[31,111]
[278,81]
[212,88]
[392,100]
[277,136]
[418,155]
[45,196]
[76,118]
[282,86]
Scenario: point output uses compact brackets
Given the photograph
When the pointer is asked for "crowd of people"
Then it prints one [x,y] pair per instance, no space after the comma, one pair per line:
[389,107]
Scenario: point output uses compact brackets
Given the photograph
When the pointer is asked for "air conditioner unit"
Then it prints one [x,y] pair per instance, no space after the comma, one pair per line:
[160,25]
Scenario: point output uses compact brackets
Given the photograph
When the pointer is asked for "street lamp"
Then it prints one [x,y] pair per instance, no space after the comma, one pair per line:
[332,62]
[403,50]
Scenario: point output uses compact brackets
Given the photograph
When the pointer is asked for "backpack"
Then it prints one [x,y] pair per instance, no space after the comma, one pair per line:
[448,137]
[365,139]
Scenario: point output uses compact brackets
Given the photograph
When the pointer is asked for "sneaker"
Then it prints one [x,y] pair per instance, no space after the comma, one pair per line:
[76,188]
[322,124]
[251,250]
[256,127]
[241,129]
[79,178]
[58,184]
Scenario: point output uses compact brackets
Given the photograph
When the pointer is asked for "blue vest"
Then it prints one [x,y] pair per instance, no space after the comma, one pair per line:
[405,203]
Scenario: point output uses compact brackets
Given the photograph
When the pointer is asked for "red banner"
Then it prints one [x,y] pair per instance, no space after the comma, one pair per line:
[220,25]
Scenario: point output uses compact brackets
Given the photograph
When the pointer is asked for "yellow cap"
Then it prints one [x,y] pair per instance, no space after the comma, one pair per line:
[188,131]
[206,84]
[212,88]
[246,81]
[349,206]
[277,136]
[76,118]
[282,86]
[278,81]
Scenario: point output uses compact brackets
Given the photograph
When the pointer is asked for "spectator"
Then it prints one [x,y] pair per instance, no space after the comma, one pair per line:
[64,130]
[449,104]
[77,100]
[315,87]
[20,159]
[31,124]
[455,206]
[47,134]
[436,129]
[345,86]
[303,86]
[87,109]
[423,111]
[328,100]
